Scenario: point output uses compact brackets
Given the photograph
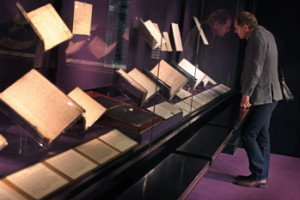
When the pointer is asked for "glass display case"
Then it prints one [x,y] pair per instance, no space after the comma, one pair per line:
[132,76]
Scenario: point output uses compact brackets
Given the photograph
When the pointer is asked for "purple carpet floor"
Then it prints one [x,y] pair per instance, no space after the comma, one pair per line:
[217,184]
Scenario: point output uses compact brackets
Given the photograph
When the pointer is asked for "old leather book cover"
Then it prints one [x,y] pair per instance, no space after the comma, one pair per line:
[164,88]
[123,116]
[170,76]
[129,118]
[151,34]
[193,71]
[145,81]
[128,86]
[191,78]
[135,83]
[39,107]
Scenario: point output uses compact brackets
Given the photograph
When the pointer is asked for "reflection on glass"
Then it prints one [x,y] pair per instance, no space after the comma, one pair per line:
[17,36]
[205,56]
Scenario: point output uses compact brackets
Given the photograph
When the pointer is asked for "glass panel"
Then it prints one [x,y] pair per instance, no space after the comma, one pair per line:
[126,58]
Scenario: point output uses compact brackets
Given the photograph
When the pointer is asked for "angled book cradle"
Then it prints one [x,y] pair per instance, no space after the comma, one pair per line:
[93,109]
[193,71]
[151,33]
[48,25]
[135,85]
[164,88]
[195,75]
[39,107]
[168,78]
[166,44]
[201,32]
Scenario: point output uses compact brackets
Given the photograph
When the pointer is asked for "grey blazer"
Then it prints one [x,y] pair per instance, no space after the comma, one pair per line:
[259,77]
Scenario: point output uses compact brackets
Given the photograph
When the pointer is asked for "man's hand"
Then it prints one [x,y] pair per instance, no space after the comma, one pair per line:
[245,101]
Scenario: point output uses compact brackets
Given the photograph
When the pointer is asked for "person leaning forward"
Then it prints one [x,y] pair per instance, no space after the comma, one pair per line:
[261,92]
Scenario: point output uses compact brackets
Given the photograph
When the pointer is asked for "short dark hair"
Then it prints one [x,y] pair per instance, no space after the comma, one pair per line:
[220,15]
[246,18]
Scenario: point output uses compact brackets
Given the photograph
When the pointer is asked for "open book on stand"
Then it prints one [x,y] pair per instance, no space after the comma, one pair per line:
[195,75]
[135,85]
[151,33]
[168,78]
[48,25]
[40,107]
[93,109]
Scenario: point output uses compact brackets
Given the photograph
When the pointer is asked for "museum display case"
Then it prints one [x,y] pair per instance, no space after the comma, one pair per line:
[94,89]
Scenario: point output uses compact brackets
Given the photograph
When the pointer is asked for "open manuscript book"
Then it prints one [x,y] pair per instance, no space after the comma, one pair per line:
[136,85]
[48,25]
[194,73]
[39,107]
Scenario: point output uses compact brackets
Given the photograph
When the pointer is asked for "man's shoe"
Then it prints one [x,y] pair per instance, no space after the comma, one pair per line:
[252,183]
[240,177]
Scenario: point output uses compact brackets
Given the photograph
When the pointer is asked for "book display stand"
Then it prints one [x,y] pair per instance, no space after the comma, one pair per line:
[106,94]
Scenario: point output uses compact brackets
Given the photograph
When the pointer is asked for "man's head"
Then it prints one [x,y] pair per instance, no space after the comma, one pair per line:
[219,22]
[244,24]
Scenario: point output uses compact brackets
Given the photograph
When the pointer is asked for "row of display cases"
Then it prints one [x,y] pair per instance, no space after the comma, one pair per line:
[95,94]
[93,152]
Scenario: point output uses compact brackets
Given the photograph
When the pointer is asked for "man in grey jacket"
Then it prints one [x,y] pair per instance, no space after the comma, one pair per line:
[261,91]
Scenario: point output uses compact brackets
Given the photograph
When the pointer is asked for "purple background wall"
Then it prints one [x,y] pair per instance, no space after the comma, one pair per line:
[283,20]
